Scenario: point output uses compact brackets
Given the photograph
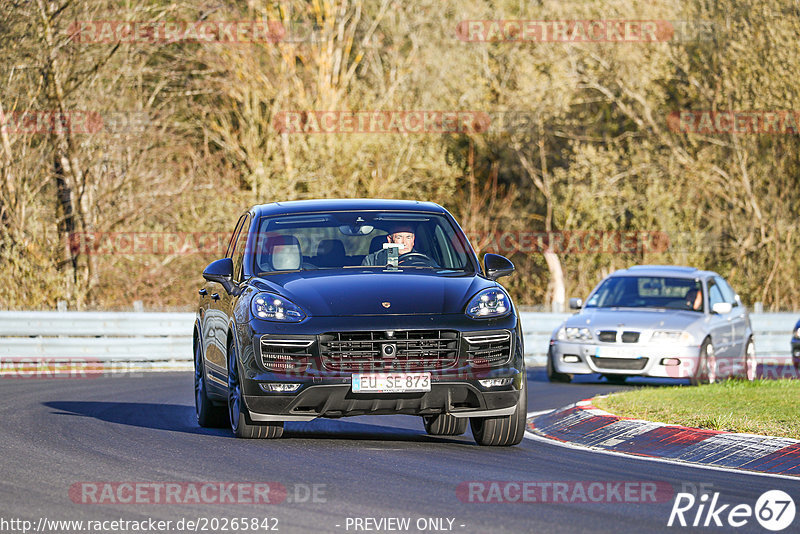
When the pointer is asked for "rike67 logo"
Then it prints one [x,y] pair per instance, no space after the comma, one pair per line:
[774,510]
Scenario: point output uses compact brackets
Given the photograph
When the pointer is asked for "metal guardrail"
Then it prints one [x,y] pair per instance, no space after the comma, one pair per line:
[149,336]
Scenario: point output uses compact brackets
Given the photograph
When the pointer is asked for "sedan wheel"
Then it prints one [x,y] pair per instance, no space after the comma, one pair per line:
[502,431]
[208,414]
[706,372]
[241,425]
[445,425]
[750,362]
[552,374]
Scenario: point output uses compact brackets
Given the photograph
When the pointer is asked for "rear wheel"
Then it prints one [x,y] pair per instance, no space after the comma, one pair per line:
[502,431]
[208,414]
[750,362]
[706,372]
[552,374]
[241,424]
[445,425]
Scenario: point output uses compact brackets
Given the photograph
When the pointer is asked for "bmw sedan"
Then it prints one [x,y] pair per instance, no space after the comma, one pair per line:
[796,346]
[336,308]
[656,321]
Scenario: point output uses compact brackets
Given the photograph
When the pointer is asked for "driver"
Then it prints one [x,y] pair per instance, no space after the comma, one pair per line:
[694,299]
[403,235]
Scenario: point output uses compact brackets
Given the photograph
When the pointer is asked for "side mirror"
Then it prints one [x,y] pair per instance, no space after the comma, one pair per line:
[575,304]
[722,308]
[497,266]
[221,272]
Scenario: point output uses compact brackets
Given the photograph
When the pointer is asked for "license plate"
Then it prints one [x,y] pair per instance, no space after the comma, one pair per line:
[617,352]
[391,382]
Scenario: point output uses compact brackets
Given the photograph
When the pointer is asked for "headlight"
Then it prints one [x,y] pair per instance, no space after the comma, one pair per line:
[670,335]
[574,333]
[488,304]
[797,333]
[271,307]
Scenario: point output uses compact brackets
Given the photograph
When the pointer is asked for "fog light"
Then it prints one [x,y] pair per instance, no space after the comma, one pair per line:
[495,382]
[280,387]
[670,361]
[571,358]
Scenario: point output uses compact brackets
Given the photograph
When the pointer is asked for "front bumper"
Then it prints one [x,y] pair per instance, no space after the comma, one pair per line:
[326,392]
[663,360]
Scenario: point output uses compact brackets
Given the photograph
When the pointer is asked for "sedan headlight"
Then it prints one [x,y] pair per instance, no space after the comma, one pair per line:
[672,335]
[574,333]
[271,307]
[797,333]
[489,304]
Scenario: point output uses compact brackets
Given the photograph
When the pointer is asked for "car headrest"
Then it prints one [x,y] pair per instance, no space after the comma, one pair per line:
[331,248]
[282,253]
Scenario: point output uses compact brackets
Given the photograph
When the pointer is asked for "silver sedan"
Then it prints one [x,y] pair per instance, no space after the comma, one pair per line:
[657,321]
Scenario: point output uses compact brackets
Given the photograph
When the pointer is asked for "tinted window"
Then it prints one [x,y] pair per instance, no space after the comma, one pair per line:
[648,292]
[358,240]
[239,244]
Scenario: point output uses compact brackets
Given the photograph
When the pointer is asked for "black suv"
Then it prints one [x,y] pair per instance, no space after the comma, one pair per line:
[332,308]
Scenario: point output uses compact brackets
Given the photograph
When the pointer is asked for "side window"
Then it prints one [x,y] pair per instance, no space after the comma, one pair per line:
[239,247]
[727,292]
[235,233]
[714,294]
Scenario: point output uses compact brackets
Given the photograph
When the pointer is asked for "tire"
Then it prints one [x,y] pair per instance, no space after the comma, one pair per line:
[750,362]
[241,424]
[706,372]
[616,379]
[552,374]
[209,415]
[502,431]
[445,425]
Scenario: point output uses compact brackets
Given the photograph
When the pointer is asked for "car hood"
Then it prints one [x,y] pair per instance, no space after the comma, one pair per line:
[639,319]
[343,293]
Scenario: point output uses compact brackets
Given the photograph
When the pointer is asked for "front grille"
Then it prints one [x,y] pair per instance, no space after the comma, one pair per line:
[608,336]
[630,337]
[488,350]
[279,354]
[412,350]
[627,364]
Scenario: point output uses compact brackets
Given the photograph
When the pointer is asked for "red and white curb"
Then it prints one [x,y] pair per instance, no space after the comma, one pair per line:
[585,425]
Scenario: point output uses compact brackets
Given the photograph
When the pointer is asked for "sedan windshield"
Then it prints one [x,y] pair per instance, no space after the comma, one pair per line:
[648,292]
[340,240]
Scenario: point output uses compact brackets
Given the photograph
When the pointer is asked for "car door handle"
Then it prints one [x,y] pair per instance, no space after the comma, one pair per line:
[203,292]
[215,296]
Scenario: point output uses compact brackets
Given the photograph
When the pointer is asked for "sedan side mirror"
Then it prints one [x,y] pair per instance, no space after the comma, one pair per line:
[221,272]
[575,304]
[722,308]
[497,266]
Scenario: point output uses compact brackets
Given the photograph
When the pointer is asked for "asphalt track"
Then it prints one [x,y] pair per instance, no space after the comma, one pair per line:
[56,433]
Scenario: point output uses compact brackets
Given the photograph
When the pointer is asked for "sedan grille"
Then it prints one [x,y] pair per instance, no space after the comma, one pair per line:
[626,364]
[607,336]
[488,350]
[630,337]
[389,350]
[285,354]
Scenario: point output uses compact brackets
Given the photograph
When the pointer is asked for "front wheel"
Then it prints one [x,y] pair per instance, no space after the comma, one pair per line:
[502,431]
[444,424]
[241,425]
[552,374]
[706,372]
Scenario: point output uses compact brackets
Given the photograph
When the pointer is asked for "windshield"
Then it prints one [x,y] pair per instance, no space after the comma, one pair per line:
[648,292]
[349,240]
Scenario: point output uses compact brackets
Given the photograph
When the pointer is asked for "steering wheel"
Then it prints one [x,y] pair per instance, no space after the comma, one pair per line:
[416,259]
